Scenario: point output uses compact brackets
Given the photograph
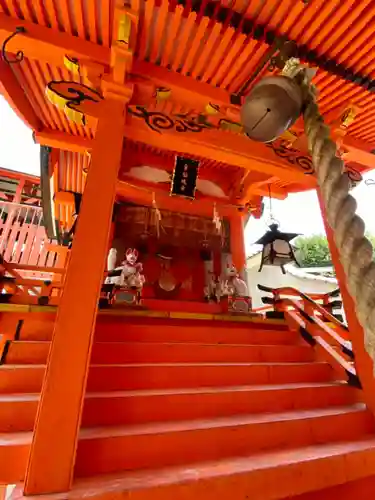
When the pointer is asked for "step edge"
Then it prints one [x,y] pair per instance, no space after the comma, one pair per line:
[21,397]
[189,473]
[157,428]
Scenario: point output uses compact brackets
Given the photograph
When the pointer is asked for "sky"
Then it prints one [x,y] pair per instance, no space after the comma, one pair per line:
[299,213]
[17,148]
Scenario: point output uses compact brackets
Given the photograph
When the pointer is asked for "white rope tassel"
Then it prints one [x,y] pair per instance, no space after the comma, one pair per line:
[216,219]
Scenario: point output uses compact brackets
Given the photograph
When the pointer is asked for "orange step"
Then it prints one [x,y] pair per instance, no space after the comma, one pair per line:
[173,375]
[209,332]
[352,490]
[27,352]
[132,407]
[272,475]
[29,378]
[151,329]
[105,450]
[14,453]
[18,411]
[21,378]
[30,352]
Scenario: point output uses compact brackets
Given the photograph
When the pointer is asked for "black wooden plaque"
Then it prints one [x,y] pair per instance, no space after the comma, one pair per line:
[185,175]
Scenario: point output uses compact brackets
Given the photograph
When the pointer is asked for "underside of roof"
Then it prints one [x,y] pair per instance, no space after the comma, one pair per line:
[212,47]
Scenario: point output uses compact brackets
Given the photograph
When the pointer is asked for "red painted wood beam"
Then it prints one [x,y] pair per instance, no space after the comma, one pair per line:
[184,88]
[225,147]
[203,205]
[222,147]
[49,45]
[62,140]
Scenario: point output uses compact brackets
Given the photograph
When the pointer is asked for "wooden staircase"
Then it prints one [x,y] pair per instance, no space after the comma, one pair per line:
[195,409]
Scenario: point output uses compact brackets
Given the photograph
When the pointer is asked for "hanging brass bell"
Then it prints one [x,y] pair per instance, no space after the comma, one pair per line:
[272,106]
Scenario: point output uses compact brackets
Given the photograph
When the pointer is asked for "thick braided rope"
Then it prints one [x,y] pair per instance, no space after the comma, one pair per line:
[354,249]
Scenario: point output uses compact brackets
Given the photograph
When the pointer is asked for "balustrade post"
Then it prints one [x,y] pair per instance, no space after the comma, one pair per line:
[53,450]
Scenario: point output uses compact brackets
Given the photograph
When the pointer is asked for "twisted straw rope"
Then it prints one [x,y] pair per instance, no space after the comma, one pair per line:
[355,250]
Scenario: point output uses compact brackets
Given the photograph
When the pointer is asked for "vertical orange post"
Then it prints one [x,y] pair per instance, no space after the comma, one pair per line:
[53,449]
[363,362]
[237,242]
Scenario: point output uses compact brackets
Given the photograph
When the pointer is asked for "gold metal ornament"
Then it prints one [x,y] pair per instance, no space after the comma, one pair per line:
[272,106]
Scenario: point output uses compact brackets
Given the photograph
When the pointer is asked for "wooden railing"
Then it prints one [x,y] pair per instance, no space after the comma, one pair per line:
[318,327]
[23,239]
[24,284]
[331,301]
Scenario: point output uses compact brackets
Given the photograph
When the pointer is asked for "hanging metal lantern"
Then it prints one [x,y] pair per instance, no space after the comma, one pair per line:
[277,250]
[272,106]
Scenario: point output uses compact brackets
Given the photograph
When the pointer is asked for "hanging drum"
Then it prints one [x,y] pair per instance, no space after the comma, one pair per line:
[272,106]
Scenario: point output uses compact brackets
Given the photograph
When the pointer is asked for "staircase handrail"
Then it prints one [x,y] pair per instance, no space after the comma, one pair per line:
[293,292]
[305,315]
[342,361]
[306,311]
[324,328]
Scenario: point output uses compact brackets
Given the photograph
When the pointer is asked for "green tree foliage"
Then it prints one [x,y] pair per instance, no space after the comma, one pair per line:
[313,251]
[371,237]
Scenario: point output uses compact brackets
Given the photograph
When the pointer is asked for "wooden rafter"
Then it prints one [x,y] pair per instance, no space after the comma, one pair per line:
[49,45]
[64,141]
[184,89]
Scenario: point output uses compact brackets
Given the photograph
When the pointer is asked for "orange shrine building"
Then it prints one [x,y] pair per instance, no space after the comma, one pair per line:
[132,363]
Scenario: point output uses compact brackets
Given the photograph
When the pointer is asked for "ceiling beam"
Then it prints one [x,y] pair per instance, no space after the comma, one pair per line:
[185,89]
[355,150]
[189,92]
[164,201]
[264,188]
[359,152]
[16,97]
[64,141]
[48,45]
[81,145]
[222,147]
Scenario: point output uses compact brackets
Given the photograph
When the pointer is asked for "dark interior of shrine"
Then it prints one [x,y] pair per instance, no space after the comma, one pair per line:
[174,249]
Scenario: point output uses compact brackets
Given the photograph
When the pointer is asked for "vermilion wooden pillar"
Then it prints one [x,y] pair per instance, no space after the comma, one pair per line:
[237,242]
[363,362]
[52,455]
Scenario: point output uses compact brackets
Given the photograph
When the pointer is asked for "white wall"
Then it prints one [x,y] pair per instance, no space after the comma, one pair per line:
[272,276]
